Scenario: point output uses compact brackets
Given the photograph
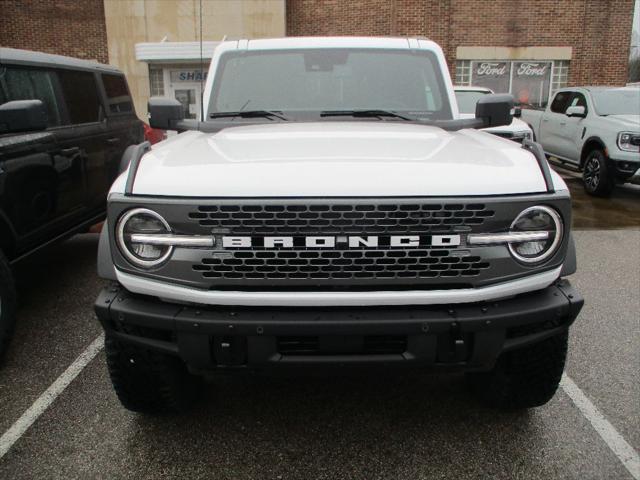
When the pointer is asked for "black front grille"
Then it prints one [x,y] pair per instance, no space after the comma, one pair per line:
[372,219]
[342,345]
[350,264]
[341,265]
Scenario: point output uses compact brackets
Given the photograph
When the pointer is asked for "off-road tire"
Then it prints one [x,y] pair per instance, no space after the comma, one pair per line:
[596,174]
[7,305]
[524,378]
[150,382]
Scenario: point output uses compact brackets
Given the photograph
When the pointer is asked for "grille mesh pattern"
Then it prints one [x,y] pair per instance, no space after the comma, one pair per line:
[339,265]
[371,219]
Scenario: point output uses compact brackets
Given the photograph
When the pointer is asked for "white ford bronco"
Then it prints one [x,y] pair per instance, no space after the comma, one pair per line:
[332,210]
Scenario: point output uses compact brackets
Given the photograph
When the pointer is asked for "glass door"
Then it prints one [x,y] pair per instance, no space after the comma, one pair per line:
[190,101]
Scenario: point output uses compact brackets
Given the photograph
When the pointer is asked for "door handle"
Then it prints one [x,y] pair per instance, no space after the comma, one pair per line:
[545,119]
[113,141]
[563,123]
[69,151]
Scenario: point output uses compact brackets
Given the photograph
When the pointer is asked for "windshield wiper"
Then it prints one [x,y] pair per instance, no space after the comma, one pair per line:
[364,114]
[249,114]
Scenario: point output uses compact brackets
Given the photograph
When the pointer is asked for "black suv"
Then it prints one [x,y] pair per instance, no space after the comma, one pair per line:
[64,125]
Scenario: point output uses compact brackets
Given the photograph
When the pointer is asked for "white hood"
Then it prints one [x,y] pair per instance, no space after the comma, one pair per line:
[336,159]
[631,122]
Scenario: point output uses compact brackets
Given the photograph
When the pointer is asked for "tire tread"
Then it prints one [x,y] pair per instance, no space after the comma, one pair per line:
[524,378]
[149,382]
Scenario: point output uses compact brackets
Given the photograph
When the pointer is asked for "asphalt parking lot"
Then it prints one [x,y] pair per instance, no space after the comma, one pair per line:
[402,426]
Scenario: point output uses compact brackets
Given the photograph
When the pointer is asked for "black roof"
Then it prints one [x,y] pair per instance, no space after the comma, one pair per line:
[27,57]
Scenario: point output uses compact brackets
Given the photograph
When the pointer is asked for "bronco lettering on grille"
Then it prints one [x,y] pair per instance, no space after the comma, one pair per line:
[342,241]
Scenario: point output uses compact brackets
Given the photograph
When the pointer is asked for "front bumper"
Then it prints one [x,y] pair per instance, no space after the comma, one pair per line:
[635,178]
[459,337]
[626,170]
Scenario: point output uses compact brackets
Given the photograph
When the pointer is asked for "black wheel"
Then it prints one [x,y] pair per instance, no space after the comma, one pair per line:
[150,382]
[597,178]
[524,378]
[7,304]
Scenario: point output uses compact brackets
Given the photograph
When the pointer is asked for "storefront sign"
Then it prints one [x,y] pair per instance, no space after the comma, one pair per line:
[493,75]
[531,82]
[188,76]
[532,69]
[528,81]
[494,69]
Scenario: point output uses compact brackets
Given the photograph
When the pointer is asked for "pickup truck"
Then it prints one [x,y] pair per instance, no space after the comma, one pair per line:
[596,129]
[328,213]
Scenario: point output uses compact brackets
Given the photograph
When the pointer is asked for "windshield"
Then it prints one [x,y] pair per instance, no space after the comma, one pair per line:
[467,100]
[617,101]
[311,81]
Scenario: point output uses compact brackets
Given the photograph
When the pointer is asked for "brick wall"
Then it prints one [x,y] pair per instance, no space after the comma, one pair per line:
[75,28]
[599,31]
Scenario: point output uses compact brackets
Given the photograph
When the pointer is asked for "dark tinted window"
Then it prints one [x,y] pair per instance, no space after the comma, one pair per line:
[560,102]
[30,84]
[81,96]
[118,97]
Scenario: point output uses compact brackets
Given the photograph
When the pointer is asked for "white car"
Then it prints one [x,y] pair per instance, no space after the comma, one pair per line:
[468,96]
[596,129]
[328,213]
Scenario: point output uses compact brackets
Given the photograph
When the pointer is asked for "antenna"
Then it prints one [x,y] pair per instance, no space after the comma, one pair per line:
[201,70]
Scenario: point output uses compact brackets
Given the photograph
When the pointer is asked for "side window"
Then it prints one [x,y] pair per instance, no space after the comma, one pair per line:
[560,102]
[30,84]
[81,96]
[118,98]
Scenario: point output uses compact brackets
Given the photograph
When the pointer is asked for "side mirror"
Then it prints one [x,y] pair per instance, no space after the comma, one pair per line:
[495,109]
[165,113]
[576,111]
[22,116]
[517,112]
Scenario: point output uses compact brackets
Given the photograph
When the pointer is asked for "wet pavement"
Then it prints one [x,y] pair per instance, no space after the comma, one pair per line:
[621,210]
[394,426]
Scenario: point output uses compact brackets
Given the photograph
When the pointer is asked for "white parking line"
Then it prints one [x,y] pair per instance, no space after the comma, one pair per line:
[38,407]
[616,442]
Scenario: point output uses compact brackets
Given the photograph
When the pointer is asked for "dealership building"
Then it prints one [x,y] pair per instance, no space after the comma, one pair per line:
[528,48]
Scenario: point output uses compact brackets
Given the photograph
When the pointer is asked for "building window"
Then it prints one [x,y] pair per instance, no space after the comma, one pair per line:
[156,82]
[529,81]
[463,72]
[560,76]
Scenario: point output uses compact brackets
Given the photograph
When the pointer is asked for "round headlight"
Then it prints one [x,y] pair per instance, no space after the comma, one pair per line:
[537,219]
[130,231]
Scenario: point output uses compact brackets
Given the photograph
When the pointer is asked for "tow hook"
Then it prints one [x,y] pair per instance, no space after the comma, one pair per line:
[459,347]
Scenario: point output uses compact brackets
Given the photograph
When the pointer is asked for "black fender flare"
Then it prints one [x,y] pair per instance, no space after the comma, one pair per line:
[106,269]
[570,264]
[590,141]
[8,236]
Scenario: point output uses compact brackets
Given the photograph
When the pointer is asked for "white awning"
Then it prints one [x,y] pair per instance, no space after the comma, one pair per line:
[161,52]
